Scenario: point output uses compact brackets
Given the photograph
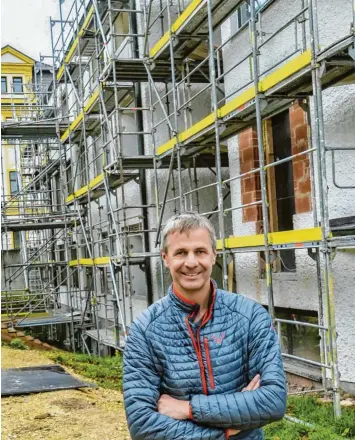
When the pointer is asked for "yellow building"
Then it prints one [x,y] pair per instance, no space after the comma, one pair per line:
[17,70]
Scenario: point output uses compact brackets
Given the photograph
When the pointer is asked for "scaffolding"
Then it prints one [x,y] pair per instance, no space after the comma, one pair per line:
[143,103]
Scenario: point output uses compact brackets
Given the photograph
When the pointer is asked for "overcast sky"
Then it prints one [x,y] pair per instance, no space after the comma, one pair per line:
[25,25]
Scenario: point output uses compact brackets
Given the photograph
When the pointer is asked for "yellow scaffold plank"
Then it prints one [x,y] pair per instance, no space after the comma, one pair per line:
[178,23]
[187,134]
[237,103]
[198,127]
[87,20]
[85,189]
[71,51]
[72,127]
[99,261]
[285,71]
[96,181]
[74,45]
[234,242]
[191,8]
[81,191]
[167,146]
[75,124]
[296,236]
[60,72]
[161,43]
[245,241]
[81,262]
[92,99]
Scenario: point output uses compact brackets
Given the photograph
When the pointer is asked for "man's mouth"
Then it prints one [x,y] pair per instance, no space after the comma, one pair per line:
[191,275]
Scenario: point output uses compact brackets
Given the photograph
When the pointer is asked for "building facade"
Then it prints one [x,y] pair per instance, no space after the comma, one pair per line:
[240,112]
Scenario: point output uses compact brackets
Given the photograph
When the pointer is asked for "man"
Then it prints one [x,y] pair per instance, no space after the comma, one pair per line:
[201,363]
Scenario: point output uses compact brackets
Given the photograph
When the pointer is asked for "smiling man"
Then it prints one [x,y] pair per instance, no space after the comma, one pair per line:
[201,363]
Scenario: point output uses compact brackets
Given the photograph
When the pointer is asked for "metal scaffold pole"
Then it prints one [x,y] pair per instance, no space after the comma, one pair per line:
[175,92]
[63,168]
[218,148]
[264,204]
[328,281]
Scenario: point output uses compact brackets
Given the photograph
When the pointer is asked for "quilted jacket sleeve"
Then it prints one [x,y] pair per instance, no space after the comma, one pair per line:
[250,409]
[141,384]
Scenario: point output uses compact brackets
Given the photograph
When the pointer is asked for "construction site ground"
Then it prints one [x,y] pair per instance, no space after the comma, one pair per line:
[98,413]
[88,413]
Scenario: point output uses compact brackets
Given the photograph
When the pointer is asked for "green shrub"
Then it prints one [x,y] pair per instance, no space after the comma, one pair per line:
[19,344]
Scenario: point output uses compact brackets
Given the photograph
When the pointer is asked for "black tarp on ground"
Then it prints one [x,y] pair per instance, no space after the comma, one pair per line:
[38,379]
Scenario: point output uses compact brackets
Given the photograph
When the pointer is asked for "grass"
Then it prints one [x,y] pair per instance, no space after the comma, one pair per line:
[105,371]
[308,409]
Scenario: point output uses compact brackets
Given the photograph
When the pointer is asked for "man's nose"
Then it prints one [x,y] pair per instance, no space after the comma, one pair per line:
[191,259]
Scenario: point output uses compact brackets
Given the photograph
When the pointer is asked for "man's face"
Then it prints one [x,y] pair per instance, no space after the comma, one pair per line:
[190,259]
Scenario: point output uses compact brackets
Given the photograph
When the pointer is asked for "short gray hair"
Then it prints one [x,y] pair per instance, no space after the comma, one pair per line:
[186,222]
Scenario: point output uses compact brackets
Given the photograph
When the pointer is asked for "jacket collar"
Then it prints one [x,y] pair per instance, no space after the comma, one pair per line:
[191,307]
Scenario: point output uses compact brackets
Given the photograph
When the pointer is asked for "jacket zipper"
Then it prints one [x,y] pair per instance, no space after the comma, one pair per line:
[197,347]
[209,364]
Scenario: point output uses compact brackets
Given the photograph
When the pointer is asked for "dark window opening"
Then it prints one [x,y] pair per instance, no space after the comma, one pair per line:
[284,186]
[75,278]
[104,280]
[63,272]
[17,84]
[105,243]
[69,179]
[16,240]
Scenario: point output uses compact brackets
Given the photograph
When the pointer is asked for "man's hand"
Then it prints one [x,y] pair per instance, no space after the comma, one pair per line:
[174,408]
[254,385]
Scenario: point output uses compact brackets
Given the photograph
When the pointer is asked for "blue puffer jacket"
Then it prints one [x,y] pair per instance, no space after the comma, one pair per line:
[208,363]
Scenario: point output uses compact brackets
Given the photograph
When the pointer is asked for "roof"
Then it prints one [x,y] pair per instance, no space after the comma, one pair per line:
[39,65]
[18,53]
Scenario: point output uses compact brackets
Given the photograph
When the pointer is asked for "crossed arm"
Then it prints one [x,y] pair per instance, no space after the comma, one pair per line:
[180,409]
[150,416]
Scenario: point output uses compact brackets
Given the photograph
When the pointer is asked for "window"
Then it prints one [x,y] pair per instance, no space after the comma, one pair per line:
[14,186]
[3,84]
[242,14]
[299,340]
[17,84]
[16,240]
[240,17]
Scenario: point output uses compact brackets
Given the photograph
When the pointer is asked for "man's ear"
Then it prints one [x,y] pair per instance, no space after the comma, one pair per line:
[164,257]
[215,256]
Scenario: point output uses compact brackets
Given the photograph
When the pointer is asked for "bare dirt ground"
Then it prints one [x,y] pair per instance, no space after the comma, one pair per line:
[87,414]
